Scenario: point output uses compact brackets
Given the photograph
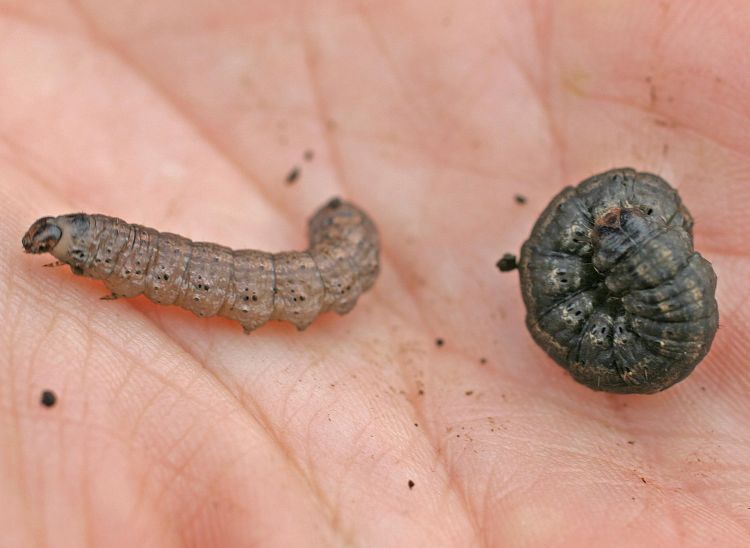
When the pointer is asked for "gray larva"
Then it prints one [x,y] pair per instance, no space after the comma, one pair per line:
[249,286]
[613,289]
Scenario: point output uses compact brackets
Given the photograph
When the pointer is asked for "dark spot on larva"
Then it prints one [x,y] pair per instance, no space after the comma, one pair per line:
[309,155]
[483,360]
[439,342]
[410,484]
[420,392]
[629,306]
[48,398]
[469,392]
[520,199]
[507,263]
[293,175]
[334,204]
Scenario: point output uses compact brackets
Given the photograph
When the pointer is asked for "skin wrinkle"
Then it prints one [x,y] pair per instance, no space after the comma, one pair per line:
[543,90]
[270,436]
[183,110]
[410,98]
[439,455]
[179,470]
[320,106]
[443,161]
[258,417]
[16,448]
[674,124]
[20,157]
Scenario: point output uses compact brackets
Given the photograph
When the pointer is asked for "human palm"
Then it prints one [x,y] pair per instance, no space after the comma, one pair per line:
[187,117]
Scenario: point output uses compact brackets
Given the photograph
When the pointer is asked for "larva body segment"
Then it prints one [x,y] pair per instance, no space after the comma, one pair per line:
[614,291]
[249,286]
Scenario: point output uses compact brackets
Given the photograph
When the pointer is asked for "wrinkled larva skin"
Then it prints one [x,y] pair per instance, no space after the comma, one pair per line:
[614,291]
[249,286]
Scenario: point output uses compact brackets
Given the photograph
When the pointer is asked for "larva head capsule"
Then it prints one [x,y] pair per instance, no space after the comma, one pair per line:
[56,235]
[42,236]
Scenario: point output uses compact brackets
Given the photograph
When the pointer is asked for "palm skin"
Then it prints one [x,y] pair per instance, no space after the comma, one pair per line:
[172,430]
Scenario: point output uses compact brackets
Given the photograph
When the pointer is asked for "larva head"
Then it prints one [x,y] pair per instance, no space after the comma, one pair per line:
[54,234]
[616,231]
[42,236]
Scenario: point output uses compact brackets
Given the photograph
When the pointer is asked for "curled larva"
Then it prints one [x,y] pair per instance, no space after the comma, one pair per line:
[249,286]
[613,289]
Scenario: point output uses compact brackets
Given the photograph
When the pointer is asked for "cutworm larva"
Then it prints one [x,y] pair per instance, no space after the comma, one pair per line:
[614,291]
[208,279]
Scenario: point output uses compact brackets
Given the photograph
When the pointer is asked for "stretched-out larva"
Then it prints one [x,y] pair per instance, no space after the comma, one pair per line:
[208,279]
[614,291]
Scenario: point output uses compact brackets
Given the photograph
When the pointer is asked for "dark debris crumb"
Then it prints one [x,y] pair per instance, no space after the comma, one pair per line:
[631,442]
[411,484]
[507,263]
[520,199]
[439,341]
[469,392]
[293,175]
[48,398]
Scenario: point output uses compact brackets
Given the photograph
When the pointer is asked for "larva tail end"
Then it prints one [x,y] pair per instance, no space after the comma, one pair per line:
[42,236]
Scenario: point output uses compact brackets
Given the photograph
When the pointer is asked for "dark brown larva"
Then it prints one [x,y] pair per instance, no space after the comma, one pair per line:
[613,289]
[249,286]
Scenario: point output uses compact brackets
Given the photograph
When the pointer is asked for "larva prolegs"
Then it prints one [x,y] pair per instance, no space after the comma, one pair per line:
[299,290]
[249,286]
[251,301]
